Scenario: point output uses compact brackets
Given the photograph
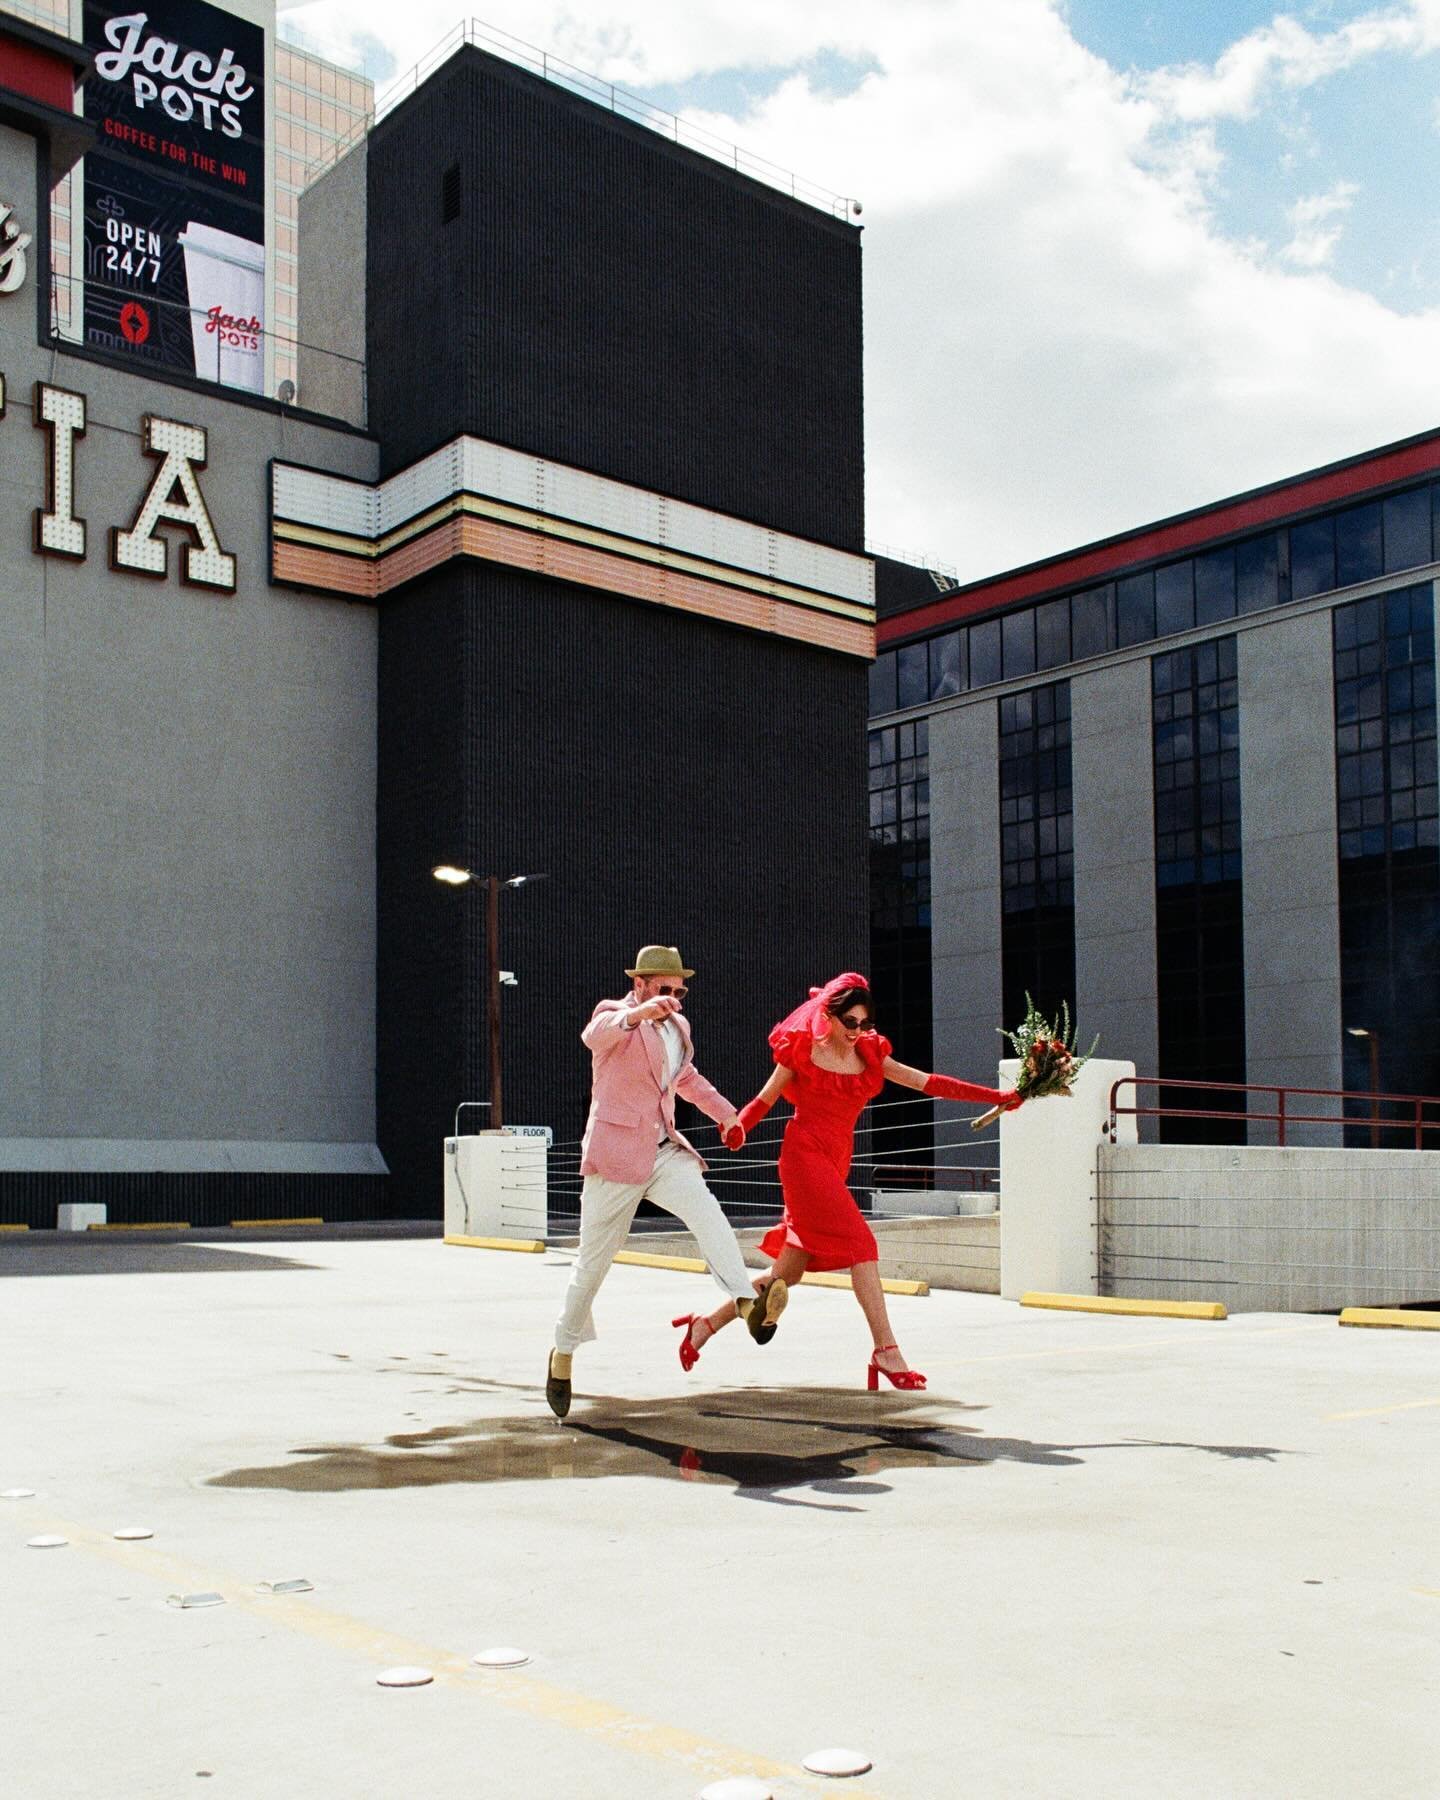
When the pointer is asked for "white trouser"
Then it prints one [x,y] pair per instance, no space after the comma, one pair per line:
[607,1209]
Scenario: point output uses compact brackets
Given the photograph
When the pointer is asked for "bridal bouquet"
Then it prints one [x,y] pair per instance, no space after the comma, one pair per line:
[1048,1060]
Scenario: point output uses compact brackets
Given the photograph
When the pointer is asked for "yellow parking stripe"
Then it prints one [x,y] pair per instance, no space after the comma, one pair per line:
[699,1758]
[1375,1412]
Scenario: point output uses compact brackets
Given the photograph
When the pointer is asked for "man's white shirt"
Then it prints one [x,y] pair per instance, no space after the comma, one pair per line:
[674,1047]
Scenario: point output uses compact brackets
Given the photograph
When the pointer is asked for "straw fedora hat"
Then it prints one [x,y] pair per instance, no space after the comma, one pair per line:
[660,959]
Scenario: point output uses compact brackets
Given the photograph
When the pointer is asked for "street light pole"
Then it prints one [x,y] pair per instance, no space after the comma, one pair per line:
[492,946]
[1372,1039]
[458,877]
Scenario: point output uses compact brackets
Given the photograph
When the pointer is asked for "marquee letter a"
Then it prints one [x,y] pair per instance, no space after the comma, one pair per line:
[174,498]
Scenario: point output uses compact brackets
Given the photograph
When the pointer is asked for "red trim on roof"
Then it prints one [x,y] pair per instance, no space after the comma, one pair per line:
[1172,537]
[38,74]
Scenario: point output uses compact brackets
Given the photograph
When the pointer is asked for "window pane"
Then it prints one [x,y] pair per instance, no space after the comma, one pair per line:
[1312,558]
[1215,586]
[1257,573]
[1018,634]
[1357,544]
[1052,634]
[882,684]
[985,653]
[913,665]
[1090,626]
[947,673]
[1407,529]
[1174,598]
[1135,608]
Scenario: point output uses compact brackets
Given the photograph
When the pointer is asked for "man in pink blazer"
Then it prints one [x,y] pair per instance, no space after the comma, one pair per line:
[642,1059]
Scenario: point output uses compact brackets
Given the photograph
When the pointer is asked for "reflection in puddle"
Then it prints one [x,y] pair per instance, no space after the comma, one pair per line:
[761,1443]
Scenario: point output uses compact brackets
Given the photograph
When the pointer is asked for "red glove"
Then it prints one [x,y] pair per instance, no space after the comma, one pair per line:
[749,1116]
[946,1087]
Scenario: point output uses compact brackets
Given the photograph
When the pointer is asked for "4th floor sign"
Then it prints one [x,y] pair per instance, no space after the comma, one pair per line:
[172,497]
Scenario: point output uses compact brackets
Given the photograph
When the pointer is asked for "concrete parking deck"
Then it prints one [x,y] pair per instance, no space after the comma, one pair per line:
[1100,1556]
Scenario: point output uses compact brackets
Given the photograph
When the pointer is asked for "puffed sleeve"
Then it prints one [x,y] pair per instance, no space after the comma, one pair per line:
[791,1049]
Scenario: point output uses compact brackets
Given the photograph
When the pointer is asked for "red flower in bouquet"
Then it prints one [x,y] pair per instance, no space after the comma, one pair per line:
[1046,1052]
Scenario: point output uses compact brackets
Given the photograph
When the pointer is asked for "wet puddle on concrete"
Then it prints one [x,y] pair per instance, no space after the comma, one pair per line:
[764,1442]
[767,1444]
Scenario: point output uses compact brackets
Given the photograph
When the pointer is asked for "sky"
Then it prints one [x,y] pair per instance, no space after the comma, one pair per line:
[1122,257]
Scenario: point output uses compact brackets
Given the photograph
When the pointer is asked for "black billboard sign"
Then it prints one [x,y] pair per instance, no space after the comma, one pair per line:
[175,189]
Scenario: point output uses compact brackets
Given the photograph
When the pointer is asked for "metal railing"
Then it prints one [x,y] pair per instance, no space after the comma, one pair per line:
[1412,1120]
[934,1148]
[604,93]
[334,383]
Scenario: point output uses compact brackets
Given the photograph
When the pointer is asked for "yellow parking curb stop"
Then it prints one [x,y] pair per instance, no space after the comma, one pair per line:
[1149,1309]
[526,1246]
[1395,1317]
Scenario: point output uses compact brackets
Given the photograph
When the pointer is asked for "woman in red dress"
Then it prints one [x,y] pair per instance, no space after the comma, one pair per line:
[829,1063]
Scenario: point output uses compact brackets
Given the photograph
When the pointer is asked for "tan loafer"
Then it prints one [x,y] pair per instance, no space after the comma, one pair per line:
[765,1313]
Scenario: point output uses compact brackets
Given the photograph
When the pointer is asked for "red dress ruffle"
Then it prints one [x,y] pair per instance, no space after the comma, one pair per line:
[821,1217]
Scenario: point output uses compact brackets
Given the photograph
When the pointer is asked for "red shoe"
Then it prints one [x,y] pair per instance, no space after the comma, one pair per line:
[909,1381]
[689,1350]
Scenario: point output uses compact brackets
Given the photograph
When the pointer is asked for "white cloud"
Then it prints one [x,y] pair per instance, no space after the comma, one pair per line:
[1285,54]
[1061,342]
[1315,226]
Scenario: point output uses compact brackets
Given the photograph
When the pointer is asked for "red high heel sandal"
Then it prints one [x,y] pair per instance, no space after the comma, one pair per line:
[689,1350]
[909,1381]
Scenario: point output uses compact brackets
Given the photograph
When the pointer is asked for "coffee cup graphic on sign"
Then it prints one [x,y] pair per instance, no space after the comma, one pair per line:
[225,276]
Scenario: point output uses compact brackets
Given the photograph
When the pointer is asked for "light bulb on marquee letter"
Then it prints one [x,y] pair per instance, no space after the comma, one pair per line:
[61,416]
[139,550]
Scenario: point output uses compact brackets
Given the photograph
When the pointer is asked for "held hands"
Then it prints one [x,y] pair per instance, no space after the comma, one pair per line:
[749,1116]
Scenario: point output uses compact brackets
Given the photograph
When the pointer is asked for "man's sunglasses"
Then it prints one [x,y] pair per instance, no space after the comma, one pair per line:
[852,1024]
[672,993]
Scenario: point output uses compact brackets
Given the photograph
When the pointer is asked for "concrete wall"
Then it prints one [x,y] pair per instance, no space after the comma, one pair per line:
[962,1254]
[1114,800]
[187,819]
[965,893]
[331,316]
[1291,881]
[1292,1230]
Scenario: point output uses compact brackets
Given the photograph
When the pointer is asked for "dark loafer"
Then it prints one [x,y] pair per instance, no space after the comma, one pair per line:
[557,1393]
[765,1313]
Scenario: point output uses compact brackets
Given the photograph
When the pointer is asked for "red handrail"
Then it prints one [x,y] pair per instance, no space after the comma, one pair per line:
[1282,1116]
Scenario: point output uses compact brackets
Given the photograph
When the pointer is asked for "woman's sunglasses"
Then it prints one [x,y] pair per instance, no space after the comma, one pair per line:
[853,1024]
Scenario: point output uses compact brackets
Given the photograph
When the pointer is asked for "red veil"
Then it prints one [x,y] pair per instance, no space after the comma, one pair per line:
[809,1021]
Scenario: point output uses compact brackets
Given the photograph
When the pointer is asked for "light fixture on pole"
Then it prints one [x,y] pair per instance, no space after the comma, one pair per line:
[454,876]
[1363,1031]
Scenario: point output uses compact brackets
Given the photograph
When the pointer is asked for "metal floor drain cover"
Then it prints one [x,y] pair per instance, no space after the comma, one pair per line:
[132,1534]
[504,1656]
[186,1601]
[402,1678]
[17,1494]
[299,1585]
[47,1541]
[738,1787]
[838,1762]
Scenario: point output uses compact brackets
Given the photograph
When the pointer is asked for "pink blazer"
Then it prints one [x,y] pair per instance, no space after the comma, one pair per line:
[629,1100]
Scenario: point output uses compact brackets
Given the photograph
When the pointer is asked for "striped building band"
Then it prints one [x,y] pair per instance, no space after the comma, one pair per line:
[478,500]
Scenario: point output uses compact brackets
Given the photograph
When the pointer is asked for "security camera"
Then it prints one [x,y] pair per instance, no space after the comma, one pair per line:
[856,208]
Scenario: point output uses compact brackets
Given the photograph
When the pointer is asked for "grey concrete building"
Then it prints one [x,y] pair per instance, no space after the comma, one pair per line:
[187,819]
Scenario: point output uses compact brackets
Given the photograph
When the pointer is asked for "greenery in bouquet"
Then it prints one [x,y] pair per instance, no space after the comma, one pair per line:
[1049,1061]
